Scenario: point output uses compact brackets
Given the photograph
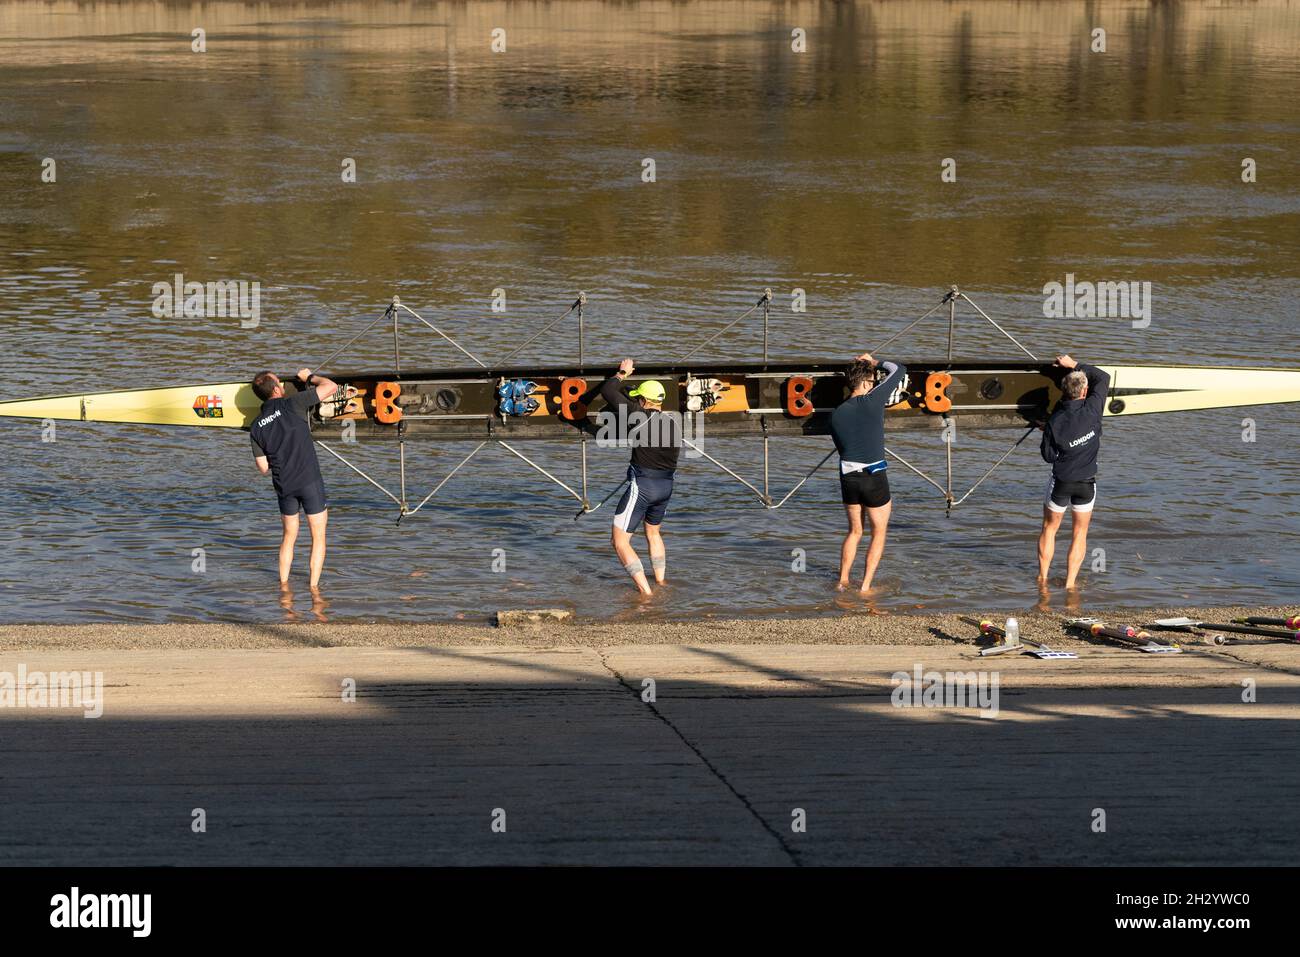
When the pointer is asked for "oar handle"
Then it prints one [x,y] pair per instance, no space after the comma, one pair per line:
[985,626]
[1125,633]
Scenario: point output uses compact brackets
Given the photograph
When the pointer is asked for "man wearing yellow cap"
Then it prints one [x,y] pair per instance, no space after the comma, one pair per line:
[656,441]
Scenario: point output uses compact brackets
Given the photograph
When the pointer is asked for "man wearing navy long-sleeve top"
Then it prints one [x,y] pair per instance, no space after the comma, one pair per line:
[858,428]
[1071,441]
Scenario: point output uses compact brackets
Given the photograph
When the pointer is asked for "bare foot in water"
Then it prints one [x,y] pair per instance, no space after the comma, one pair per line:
[286,602]
[318,604]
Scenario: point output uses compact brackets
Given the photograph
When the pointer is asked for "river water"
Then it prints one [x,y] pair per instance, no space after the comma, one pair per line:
[522,171]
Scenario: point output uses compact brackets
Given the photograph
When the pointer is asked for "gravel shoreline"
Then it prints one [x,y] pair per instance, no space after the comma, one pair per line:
[862,629]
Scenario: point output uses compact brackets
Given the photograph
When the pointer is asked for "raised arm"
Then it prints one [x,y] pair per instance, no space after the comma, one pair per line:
[324,388]
[1098,382]
[611,390]
[1098,387]
[894,373]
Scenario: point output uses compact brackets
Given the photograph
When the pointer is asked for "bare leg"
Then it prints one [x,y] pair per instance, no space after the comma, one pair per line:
[1047,542]
[290,523]
[879,519]
[627,555]
[658,552]
[849,550]
[1078,547]
[317,524]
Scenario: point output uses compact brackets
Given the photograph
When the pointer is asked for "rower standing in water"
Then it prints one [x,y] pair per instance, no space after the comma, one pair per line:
[1071,441]
[283,449]
[858,428]
[656,441]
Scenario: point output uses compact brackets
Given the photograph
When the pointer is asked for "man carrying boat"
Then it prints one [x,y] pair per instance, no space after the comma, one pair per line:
[1071,441]
[656,441]
[858,428]
[283,449]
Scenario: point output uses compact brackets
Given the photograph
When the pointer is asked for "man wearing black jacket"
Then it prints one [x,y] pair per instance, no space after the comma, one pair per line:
[283,449]
[1071,441]
[656,441]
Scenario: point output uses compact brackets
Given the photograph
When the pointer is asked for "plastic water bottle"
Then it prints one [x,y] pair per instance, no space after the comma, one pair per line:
[1012,628]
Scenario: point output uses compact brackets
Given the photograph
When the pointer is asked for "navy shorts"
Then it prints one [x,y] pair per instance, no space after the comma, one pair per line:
[1075,496]
[310,500]
[646,497]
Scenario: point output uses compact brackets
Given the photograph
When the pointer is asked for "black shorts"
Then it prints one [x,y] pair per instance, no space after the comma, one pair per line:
[310,500]
[865,488]
[1076,496]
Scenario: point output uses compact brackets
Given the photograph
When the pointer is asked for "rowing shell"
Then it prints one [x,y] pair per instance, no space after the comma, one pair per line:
[768,399]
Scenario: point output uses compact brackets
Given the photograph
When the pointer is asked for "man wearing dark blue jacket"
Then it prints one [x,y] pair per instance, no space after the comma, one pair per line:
[283,449]
[1071,441]
[858,428]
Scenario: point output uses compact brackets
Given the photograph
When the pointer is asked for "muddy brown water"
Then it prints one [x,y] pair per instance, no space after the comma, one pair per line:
[522,171]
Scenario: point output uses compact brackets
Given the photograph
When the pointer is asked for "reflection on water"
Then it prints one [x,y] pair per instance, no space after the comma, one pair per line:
[522,171]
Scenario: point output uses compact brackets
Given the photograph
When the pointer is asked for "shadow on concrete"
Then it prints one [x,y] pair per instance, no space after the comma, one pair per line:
[589,774]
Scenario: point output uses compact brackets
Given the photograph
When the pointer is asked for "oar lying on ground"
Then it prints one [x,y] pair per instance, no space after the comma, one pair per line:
[1125,635]
[1292,622]
[1006,644]
[1189,624]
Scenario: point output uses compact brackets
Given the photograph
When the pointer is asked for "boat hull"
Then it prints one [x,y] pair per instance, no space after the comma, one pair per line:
[230,405]
[777,399]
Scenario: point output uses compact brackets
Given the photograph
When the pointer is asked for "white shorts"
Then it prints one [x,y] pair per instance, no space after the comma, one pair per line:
[1076,496]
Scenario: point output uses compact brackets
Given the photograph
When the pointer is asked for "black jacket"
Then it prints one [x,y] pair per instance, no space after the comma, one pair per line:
[1072,435]
[655,438]
[281,433]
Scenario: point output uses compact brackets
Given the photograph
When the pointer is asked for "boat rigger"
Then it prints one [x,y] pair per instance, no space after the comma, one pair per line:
[763,399]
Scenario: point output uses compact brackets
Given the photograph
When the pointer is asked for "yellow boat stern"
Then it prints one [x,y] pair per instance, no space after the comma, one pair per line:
[1140,390]
[230,405]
